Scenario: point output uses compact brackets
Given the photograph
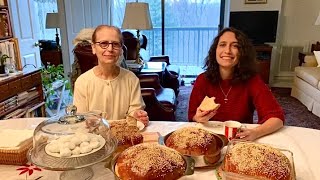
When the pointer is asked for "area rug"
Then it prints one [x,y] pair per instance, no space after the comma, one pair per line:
[296,113]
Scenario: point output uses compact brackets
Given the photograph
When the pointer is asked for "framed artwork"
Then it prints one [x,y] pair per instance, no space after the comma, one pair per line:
[255,1]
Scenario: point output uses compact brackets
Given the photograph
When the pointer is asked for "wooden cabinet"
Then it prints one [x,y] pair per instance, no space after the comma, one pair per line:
[52,57]
[263,53]
[21,93]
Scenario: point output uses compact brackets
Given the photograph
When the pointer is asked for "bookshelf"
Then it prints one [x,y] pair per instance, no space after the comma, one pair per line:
[21,95]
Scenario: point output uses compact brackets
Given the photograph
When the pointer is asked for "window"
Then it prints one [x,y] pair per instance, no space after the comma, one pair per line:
[42,7]
[184,32]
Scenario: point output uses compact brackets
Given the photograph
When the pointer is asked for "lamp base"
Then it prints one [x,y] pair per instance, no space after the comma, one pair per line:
[57,39]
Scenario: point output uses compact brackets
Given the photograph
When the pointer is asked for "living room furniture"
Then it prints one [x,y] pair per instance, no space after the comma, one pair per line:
[13,98]
[171,78]
[137,16]
[59,88]
[263,53]
[306,85]
[302,142]
[155,67]
[302,55]
[160,102]
[52,57]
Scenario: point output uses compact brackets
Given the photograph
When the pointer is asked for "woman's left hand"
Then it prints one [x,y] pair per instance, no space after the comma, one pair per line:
[142,116]
[248,134]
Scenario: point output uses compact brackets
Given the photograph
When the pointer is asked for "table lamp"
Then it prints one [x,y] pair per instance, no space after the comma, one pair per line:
[137,16]
[52,21]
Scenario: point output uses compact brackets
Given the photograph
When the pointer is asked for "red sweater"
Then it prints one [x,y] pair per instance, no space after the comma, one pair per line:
[243,99]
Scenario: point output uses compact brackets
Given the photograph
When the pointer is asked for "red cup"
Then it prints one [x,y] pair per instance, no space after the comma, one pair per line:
[231,128]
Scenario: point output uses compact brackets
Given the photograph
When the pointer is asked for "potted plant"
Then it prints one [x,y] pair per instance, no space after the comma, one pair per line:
[3,59]
[50,75]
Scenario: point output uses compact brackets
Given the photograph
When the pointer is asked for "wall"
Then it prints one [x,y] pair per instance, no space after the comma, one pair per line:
[238,5]
[296,32]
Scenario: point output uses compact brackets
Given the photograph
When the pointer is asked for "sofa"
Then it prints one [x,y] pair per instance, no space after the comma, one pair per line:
[306,85]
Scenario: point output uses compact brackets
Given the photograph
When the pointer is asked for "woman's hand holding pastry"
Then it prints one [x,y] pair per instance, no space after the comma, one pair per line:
[206,110]
[141,116]
[203,116]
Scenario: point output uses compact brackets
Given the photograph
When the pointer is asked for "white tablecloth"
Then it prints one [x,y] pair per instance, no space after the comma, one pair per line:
[303,142]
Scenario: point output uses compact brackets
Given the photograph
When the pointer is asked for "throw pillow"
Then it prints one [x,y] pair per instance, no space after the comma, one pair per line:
[317,54]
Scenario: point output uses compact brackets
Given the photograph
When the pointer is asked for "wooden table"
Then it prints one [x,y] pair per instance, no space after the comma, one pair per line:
[52,57]
[303,142]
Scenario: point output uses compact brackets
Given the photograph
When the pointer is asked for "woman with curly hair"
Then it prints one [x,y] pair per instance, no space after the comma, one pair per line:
[230,76]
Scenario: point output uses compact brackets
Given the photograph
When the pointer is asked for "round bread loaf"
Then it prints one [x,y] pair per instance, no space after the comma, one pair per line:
[150,161]
[257,160]
[125,134]
[193,141]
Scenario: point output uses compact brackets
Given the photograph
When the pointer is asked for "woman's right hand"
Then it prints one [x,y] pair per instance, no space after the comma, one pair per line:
[203,116]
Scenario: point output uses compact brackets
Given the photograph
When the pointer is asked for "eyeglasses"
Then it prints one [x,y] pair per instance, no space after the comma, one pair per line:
[105,45]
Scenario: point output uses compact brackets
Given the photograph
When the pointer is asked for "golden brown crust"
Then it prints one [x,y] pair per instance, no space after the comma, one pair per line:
[126,135]
[150,161]
[193,141]
[257,160]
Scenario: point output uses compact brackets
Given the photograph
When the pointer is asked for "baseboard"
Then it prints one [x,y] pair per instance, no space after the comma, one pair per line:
[282,84]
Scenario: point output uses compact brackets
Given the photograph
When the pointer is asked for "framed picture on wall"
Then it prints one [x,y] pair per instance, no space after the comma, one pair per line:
[255,1]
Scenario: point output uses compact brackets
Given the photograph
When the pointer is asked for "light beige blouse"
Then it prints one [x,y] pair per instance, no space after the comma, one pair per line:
[117,98]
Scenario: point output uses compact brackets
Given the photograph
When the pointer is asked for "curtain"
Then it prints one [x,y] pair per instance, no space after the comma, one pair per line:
[42,7]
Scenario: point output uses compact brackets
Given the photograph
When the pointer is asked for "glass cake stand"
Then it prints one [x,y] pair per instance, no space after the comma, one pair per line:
[78,167]
[74,168]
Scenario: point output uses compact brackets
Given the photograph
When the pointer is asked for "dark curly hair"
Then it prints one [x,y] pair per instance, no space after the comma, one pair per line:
[246,67]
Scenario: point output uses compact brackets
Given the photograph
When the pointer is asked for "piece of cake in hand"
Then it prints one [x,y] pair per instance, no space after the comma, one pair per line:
[208,104]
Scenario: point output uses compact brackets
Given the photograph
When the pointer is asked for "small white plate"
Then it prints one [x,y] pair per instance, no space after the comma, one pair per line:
[140,125]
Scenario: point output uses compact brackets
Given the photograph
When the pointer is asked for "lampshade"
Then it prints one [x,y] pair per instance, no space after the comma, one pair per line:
[52,20]
[137,16]
[318,20]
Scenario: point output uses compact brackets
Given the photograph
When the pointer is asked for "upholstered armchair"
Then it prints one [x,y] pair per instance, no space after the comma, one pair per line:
[160,102]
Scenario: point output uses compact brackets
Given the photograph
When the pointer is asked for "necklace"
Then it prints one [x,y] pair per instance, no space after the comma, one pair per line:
[225,95]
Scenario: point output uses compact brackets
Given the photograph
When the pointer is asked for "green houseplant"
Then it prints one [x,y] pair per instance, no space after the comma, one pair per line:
[52,74]
[3,59]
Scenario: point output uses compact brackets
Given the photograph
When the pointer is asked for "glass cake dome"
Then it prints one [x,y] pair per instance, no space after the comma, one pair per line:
[72,143]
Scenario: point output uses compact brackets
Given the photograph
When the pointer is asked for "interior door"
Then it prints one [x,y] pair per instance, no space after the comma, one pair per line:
[27,32]
[77,15]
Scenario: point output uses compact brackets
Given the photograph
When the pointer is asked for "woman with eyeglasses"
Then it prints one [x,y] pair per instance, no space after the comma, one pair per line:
[107,87]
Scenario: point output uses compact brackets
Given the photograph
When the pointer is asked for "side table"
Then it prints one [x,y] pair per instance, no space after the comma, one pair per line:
[52,57]
[302,55]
